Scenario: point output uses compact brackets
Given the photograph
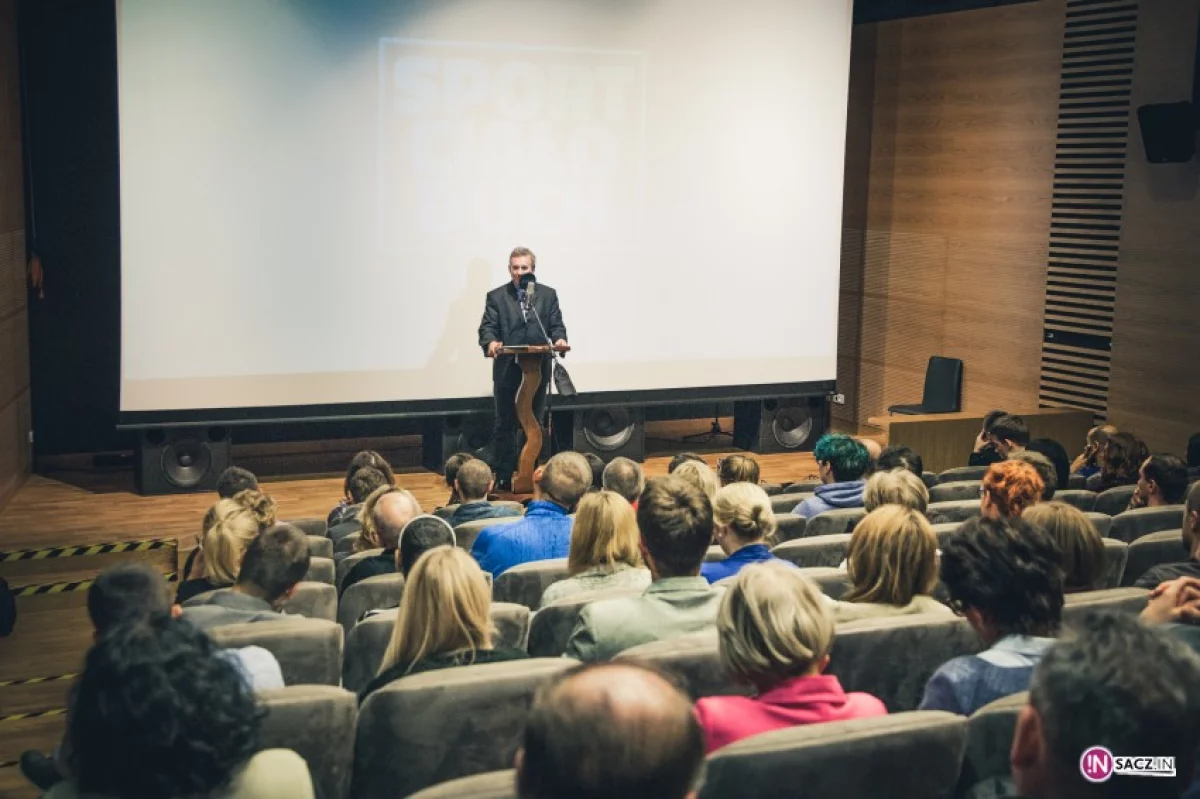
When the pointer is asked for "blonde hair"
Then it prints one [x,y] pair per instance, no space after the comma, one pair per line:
[896,487]
[773,625]
[605,533]
[370,538]
[892,557]
[445,608]
[745,509]
[260,504]
[699,475]
[230,527]
[1083,557]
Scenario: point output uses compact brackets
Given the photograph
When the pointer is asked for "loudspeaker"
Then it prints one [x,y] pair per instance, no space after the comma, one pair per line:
[1168,132]
[442,436]
[181,459]
[617,432]
[779,425]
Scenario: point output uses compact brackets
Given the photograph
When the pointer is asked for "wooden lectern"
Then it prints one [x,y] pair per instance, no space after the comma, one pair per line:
[531,359]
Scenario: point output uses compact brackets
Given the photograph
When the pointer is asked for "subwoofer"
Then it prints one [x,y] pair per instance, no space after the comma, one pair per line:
[779,425]
[610,432]
[181,459]
[443,436]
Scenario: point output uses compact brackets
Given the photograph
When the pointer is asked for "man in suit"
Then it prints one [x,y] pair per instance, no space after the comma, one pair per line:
[506,321]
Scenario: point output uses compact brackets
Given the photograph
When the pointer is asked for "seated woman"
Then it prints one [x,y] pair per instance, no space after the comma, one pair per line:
[1120,460]
[774,631]
[444,620]
[700,475]
[896,487]
[352,494]
[230,527]
[737,469]
[1083,559]
[1008,488]
[604,549]
[892,565]
[1003,576]
[158,712]
[742,523]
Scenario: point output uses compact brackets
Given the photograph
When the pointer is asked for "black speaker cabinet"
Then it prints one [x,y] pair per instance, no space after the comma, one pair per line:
[1168,132]
[779,425]
[442,436]
[181,459]
[610,432]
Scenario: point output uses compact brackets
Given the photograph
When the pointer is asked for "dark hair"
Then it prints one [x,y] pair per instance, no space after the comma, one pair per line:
[590,743]
[676,523]
[275,561]
[158,712]
[990,419]
[1193,451]
[847,458]
[421,535]
[597,464]
[453,464]
[1056,453]
[625,477]
[737,469]
[473,477]
[1121,460]
[365,482]
[1010,427]
[1112,681]
[684,457]
[900,456]
[234,480]
[367,457]
[1008,570]
[1170,473]
[127,593]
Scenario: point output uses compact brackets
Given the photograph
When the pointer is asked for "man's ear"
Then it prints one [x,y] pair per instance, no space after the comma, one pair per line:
[519,759]
[1027,739]
[537,474]
[491,485]
[176,611]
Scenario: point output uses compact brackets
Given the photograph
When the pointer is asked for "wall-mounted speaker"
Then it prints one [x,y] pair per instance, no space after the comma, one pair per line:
[610,432]
[779,425]
[183,459]
[1168,132]
[442,436]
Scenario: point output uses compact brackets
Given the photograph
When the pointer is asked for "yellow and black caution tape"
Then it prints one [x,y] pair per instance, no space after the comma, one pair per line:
[82,551]
[37,714]
[36,680]
[46,589]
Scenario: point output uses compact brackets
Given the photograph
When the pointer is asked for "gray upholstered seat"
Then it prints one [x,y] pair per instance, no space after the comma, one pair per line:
[1121,600]
[823,550]
[374,593]
[786,503]
[802,486]
[1102,521]
[348,562]
[832,522]
[789,526]
[832,581]
[929,479]
[313,525]
[466,533]
[1116,554]
[309,651]
[1114,500]
[320,547]
[428,728]
[447,511]
[1082,499]
[893,657]
[525,584]
[962,473]
[989,741]
[1153,550]
[772,489]
[552,625]
[313,600]
[1076,481]
[903,756]
[1133,524]
[368,640]
[318,723]
[340,531]
[714,554]
[320,570]
[959,510]
[694,659]
[493,785]
[346,545]
[952,492]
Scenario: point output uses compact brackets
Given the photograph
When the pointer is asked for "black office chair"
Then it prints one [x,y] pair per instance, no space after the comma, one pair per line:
[943,388]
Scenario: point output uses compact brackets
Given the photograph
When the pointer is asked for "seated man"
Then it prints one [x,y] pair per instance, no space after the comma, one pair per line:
[624,476]
[597,465]
[682,458]
[234,481]
[842,462]
[1162,480]
[985,453]
[391,513]
[450,472]
[1191,545]
[676,524]
[362,484]
[275,563]
[545,532]
[1087,463]
[619,731]
[473,481]
[1008,434]
[900,456]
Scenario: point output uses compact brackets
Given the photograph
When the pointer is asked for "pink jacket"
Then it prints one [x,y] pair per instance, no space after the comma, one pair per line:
[802,700]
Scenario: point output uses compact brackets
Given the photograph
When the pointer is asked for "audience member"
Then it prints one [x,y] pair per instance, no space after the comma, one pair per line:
[874,450]
[275,562]
[1110,682]
[545,532]
[625,477]
[1162,480]
[596,463]
[1043,467]
[737,469]
[1084,563]
[473,481]
[1004,576]
[985,453]
[1008,434]
[1175,606]
[1087,462]
[700,476]
[390,515]
[418,537]
[354,494]
[743,526]
[1191,545]
[842,462]
[1120,461]
[444,619]
[610,731]
[158,712]
[684,457]
[230,527]
[676,524]
[235,479]
[260,504]
[774,633]
[1057,455]
[366,486]
[362,534]
[450,472]
[895,487]
[1008,488]
[892,565]
[900,457]
[604,549]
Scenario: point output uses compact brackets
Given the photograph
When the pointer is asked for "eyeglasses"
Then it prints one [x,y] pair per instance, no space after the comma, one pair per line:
[956,607]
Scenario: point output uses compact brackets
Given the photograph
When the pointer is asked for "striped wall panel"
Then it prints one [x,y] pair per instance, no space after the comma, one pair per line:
[1085,226]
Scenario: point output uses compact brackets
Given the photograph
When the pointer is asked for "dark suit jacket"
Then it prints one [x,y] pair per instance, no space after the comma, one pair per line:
[502,321]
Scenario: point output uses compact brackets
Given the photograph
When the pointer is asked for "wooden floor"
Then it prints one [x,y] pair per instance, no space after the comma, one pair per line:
[85,508]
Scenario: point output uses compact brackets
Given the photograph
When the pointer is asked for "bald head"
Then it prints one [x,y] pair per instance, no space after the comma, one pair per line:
[392,511]
[874,448]
[612,730]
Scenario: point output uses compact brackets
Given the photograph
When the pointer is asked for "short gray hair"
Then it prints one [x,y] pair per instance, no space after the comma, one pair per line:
[625,477]
[897,487]
[566,477]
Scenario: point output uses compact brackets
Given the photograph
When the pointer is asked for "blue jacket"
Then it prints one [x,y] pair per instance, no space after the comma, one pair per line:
[965,684]
[544,534]
[831,497]
[755,553]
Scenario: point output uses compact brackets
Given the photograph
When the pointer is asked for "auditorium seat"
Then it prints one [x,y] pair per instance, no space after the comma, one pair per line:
[1084,500]
[1152,550]
[447,511]
[1116,553]
[493,785]
[346,528]
[345,546]
[313,601]
[466,533]
[345,564]
[314,525]
[772,488]
[428,728]
[962,474]
[317,722]
[694,659]
[832,522]
[789,526]
[786,503]
[1102,521]
[1076,481]
[1133,524]
[806,486]
[952,492]
[1114,500]
[524,584]
[320,570]
[832,581]
[1120,600]
[714,554]
[309,651]
[320,547]
[374,593]
[823,550]
[957,511]
[929,479]
[552,625]
[903,756]
[986,769]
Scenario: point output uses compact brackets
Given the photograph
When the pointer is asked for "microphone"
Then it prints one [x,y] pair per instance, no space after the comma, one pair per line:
[527,285]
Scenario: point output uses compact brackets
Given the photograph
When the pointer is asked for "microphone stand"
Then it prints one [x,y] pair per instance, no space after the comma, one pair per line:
[557,367]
